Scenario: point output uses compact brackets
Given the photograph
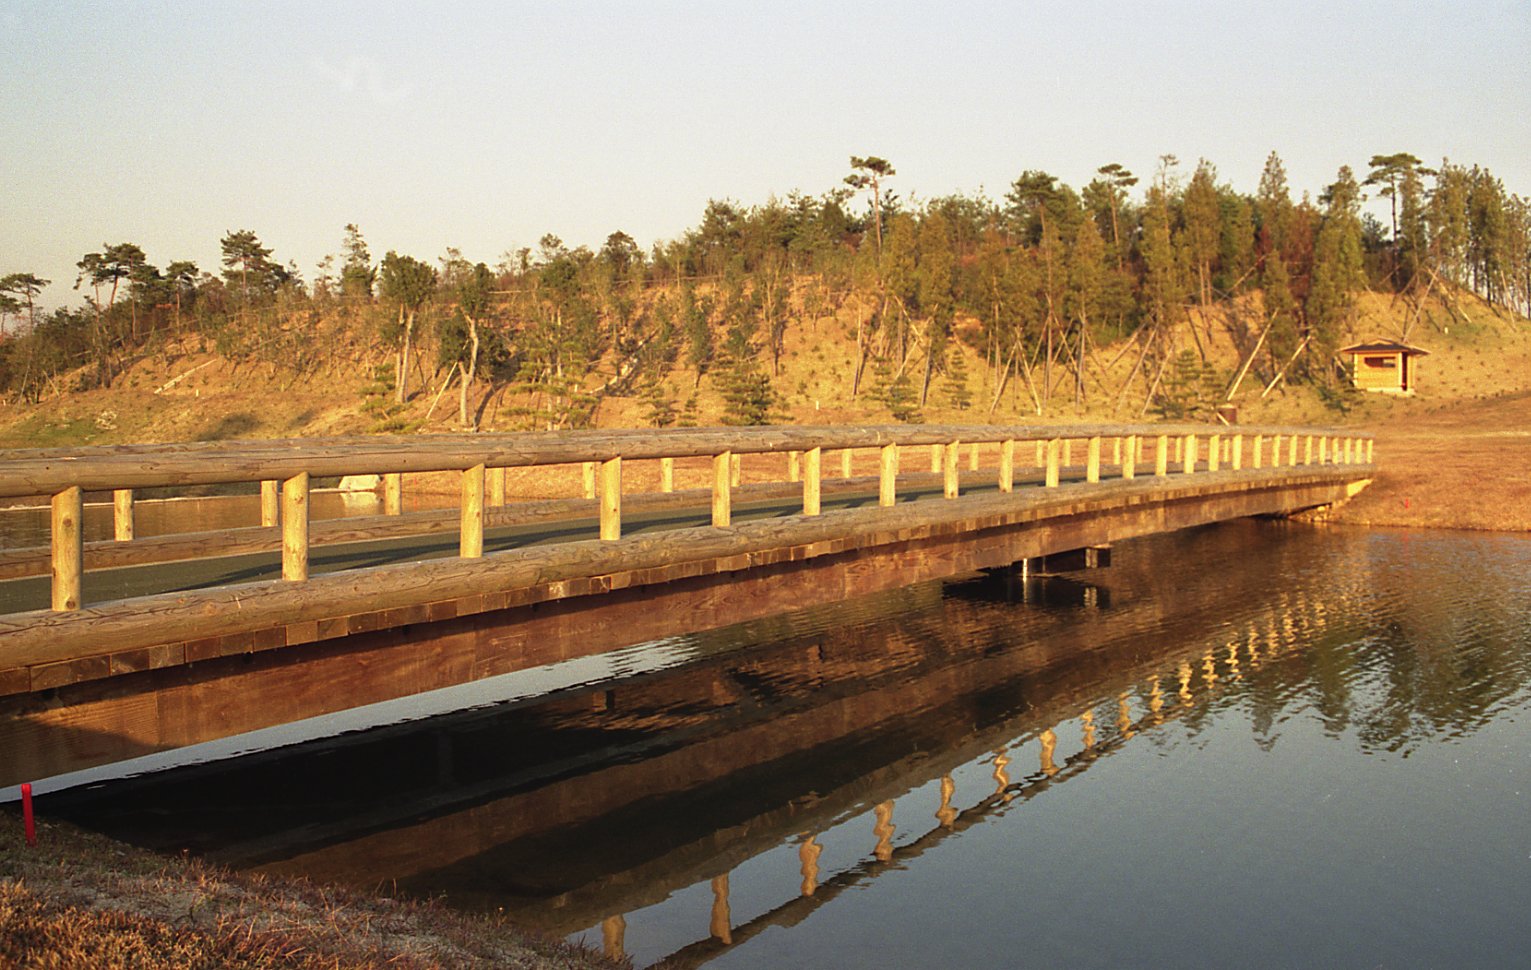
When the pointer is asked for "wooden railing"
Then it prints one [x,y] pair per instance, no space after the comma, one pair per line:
[285,469]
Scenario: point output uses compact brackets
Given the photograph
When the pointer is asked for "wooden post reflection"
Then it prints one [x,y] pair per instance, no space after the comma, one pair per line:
[1087,724]
[1185,683]
[721,926]
[1049,742]
[613,936]
[1001,777]
[945,814]
[1124,717]
[808,864]
[884,830]
[1155,698]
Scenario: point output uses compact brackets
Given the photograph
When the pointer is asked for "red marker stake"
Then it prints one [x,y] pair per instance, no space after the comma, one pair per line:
[26,813]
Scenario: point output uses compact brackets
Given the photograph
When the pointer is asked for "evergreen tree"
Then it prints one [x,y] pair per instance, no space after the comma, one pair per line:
[357,274]
[1338,267]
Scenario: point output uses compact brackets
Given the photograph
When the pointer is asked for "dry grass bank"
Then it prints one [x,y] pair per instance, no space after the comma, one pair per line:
[81,900]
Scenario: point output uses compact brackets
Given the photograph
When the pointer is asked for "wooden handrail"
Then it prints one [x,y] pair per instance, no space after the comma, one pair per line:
[45,472]
[290,465]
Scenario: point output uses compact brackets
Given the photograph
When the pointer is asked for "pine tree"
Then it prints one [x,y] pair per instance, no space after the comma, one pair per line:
[1338,264]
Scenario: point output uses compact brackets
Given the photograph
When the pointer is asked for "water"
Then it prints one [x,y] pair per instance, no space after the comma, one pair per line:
[1257,744]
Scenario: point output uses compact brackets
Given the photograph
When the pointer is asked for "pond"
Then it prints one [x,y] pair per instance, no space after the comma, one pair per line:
[1255,744]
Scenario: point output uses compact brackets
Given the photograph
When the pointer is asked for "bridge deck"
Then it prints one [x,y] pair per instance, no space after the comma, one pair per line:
[347,624]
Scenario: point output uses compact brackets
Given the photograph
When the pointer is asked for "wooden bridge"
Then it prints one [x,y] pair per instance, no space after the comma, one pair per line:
[126,646]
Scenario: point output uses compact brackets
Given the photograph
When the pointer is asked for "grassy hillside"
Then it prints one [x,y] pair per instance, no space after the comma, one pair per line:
[318,384]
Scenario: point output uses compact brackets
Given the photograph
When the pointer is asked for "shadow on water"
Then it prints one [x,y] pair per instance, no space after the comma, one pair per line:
[875,730]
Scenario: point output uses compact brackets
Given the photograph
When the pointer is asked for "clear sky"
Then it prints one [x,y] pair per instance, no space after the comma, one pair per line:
[485,125]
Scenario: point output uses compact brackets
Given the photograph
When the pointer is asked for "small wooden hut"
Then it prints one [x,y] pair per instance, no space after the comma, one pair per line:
[1385,366]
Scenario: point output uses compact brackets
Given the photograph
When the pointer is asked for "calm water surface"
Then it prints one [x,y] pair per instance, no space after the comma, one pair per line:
[1256,744]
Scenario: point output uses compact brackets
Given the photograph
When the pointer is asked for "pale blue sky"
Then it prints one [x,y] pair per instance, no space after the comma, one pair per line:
[483,126]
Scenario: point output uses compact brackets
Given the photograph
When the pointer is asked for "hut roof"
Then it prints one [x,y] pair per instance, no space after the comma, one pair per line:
[1384,347]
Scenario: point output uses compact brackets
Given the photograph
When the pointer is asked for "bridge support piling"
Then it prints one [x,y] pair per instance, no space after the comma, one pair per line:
[270,502]
[122,515]
[812,473]
[611,499]
[887,475]
[68,510]
[393,494]
[722,480]
[470,539]
[295,528]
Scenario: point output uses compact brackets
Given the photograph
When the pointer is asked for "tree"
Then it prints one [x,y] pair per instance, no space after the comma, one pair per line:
[1338,266]
[246,260]
[1115,181]
[357,274]
[408,282]
[1392,172]
[24,288]
[1273,209]
[1203,225]
[474,295]
[869,173]
[181,276]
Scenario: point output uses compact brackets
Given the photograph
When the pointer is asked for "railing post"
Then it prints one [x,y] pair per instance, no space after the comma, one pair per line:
[812,459]
[1238,452]
[1190,448]
[722,480]
[1307,450]
[950,480]
[845,463]
[295,528]
[887,475]
[1007,466]
[1323,449]
[1350,446]
[1092,460]
[1369,443]
[937,457]
[973,457]
[611,499]
[1041,453]
[1276,451]
[587,478]
[393,493]
[1291,449]
[1054,447]
[270,502]
[1129,460]
[1162,456]
[1068,452]
[667,474]
[470,537]
[794,466]
[1116,450]
[735,469]
[68,539]
[1214,452]
[496,487]
[1259,457]
[122,514]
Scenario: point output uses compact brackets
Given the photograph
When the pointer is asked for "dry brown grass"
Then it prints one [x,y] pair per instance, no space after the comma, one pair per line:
[81,900]
[1464,467]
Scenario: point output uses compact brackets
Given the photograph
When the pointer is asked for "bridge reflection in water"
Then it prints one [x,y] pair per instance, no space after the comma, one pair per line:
[800,757]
